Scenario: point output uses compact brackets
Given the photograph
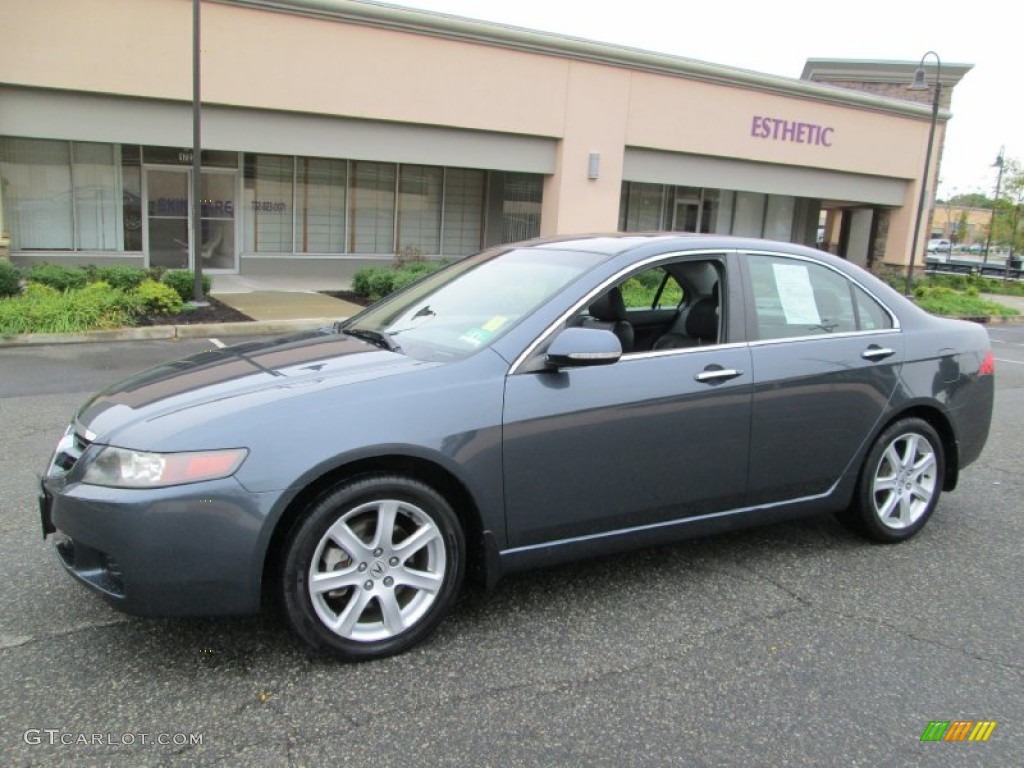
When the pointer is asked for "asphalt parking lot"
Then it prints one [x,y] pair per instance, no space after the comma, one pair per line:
[791,645]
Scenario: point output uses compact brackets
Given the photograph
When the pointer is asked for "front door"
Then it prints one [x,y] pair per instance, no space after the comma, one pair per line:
[168,219]
[639,442]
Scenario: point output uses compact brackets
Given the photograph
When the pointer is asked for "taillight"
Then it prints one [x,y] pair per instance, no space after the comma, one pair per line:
[988,365]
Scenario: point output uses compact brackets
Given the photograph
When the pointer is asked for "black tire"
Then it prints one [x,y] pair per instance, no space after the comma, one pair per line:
[384,592]
[900,483]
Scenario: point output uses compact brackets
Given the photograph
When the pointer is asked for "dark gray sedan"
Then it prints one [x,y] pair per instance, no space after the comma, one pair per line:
[529,405]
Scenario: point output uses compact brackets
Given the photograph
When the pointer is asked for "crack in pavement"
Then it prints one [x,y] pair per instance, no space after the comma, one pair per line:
[9,641]
[803,600]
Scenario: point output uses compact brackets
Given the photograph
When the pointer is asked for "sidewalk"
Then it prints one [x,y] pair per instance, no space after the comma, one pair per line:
[283,298]
[1013,302]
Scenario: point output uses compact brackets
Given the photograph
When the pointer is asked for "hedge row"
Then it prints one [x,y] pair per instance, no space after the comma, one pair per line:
[63,299]
[376,282]
[66,278]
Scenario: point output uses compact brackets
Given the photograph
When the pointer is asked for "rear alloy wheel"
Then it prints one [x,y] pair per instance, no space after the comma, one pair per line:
[900,483]
[373,568]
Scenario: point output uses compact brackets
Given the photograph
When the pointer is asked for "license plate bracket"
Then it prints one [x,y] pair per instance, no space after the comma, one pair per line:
[45,513]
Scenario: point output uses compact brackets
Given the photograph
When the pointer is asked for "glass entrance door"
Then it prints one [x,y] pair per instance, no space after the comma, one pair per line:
[167,206]
[217,218]
[168,230]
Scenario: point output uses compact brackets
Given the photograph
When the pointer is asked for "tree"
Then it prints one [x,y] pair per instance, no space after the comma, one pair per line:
[1006,228]
[971,200]
[963,227]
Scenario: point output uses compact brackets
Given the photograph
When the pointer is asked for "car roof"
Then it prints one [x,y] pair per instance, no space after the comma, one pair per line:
[618,243]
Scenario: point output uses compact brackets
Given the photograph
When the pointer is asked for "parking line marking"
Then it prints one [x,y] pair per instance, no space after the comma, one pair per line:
[1004,360]
[218,343]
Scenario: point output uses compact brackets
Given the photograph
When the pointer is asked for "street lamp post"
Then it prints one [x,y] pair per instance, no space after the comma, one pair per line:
[995,202]
[197,164]
[919,84]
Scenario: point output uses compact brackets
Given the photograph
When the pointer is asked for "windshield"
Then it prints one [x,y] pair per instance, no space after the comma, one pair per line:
[466,307]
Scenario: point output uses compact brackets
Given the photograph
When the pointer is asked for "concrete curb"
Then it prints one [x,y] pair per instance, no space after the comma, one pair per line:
[995,319]
[195,331]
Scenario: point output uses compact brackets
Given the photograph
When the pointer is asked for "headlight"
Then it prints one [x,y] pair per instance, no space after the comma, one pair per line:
[124,468]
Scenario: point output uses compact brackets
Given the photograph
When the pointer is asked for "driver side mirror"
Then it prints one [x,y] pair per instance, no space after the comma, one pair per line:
[580,347]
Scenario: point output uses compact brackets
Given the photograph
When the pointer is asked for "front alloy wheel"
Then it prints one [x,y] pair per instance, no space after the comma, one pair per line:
[900,483]
[374,566]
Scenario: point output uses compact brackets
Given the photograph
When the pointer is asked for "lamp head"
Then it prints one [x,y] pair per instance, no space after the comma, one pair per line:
[919,84]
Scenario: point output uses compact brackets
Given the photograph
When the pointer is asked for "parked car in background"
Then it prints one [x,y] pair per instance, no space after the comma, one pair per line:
[939,246]
[532,404]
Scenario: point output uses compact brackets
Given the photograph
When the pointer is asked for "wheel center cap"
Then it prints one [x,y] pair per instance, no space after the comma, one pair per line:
[378,569]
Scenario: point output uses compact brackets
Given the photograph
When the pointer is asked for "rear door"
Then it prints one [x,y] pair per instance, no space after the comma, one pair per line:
[826,359]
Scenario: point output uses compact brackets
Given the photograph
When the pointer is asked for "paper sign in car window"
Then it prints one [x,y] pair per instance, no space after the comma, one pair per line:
[796,294]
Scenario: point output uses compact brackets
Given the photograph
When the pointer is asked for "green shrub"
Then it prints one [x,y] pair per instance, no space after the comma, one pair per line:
[57,276]
[158,298]
[122,278]
[404,277]
[365,279]
[377,282]
[156,272]
[420,267]
[183,280]
[10,279]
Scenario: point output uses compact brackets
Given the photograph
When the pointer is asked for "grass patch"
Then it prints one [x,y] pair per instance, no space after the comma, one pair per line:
[941,300]
[43,309]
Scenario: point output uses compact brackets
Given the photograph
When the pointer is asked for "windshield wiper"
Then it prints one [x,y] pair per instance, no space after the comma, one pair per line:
[377,338]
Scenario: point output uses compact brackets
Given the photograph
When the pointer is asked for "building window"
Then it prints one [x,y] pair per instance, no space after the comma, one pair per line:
[37,193]
[521,207]
[419,209]
[268,203]
[97,207]
[463,212]
[659,207]
[372,203]
[320,206]
[642,207]
[131,195]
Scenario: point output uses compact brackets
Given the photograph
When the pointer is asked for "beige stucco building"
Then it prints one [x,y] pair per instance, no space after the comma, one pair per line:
[338,133]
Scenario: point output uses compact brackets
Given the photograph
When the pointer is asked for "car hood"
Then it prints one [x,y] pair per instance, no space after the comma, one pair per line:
[256,371]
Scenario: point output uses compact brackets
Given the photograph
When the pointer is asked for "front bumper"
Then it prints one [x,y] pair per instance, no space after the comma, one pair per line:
[188,550]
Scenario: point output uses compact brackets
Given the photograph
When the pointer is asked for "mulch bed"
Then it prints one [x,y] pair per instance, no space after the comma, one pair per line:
[217,312]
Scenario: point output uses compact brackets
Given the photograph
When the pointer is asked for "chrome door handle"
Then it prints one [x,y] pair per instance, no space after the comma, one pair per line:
[713,375]
[877,353]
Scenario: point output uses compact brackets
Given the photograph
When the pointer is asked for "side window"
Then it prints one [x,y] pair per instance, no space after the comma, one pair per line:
[797,298]
[871,316]
[652,289]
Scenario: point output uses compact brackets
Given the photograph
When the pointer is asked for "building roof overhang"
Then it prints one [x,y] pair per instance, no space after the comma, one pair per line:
[386,16]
